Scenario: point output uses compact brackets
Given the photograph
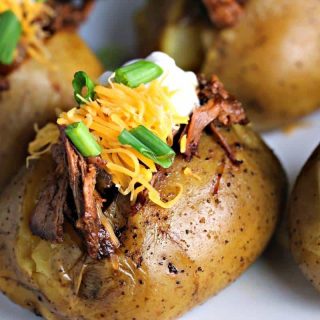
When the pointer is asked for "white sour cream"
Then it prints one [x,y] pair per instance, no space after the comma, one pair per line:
[182,83]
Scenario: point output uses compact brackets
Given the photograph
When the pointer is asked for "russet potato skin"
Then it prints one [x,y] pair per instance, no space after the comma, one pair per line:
[36,92]
[304,222]
[269,60]
[170,259]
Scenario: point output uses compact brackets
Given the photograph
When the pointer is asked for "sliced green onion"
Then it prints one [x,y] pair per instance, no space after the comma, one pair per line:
[137,73]
[10,33]
[152,141]
[83,140]
[149,145]
[80,81]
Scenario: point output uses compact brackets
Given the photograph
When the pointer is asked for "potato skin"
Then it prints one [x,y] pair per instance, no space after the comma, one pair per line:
[170,260]
[304,222]
[269,60]
[36,92]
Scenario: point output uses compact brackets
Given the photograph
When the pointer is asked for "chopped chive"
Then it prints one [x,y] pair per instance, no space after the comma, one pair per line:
[80,82]
[152,141]
[10,33]
[149,145]
[137,73]
[83,140]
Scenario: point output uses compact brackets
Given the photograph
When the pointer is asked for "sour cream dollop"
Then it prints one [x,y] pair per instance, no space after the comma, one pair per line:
[182,83]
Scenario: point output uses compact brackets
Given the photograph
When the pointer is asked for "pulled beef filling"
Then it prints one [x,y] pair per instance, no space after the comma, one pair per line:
[82,177]
[4,84]
[224,13]
[69,14]
[218,107]
[81,191]
[47,219]
[72,194]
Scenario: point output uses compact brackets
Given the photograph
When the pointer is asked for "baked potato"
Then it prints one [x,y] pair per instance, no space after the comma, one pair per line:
[33,91]
[170,259]
[303,219]
[141,209]
[266,58]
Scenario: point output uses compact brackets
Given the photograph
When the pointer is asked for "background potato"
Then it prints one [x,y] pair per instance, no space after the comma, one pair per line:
[304,219]
[36,91]
[180,28]
[170,260]
[269,60]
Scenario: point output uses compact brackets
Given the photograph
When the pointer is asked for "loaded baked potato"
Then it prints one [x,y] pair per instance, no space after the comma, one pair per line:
[268,60]
[101,237]
[264,51]
[304,219]
[33,87]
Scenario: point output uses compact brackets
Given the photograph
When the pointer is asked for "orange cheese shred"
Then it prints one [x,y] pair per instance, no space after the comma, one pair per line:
[188,172]
[45,138]
[183,144]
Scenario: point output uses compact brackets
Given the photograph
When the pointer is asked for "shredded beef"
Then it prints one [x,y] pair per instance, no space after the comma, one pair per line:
[4,84]
[216,105]
[104,180]
[224,13]
[218,177]
[223,142]
[71,193]
[82,177]
[68,14]
[76,169]
[97,240]
[201,117]
[47,218]
[230,110]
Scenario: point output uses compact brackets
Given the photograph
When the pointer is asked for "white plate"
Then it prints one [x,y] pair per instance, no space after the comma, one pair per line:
[273,288]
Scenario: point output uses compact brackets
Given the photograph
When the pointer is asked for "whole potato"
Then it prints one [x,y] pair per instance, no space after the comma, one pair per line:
[35,93]
[304,220]
[270,59]
[170,259]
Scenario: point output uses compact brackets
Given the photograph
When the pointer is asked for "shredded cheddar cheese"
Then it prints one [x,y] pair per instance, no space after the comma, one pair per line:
[115,108]
[45,138]
[119,107]
[188,172]
[29,13]
[183,144]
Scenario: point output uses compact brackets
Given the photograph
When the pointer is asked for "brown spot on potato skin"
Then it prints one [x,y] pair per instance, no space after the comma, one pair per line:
[172,268]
